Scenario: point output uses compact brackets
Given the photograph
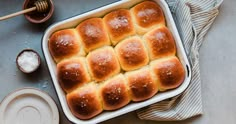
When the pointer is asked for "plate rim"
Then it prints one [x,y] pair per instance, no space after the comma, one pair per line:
[34,91]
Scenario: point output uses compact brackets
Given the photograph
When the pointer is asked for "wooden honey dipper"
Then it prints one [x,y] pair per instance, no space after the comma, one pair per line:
[40,6]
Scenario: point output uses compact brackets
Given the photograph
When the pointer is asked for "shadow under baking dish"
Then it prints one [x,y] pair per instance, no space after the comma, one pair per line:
[105,115]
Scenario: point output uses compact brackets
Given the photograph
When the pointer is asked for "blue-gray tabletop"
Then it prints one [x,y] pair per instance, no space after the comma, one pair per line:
[217,60]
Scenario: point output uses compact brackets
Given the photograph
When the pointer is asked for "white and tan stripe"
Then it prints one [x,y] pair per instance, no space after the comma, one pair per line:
[193,19]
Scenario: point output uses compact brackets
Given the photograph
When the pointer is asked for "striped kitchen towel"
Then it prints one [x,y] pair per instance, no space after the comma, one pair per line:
[193,19]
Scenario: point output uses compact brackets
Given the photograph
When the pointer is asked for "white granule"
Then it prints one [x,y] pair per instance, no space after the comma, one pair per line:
[119,22]
[92,31]
[28,61]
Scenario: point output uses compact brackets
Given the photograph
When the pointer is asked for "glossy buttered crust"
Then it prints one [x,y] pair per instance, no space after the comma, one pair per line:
[119,25]
[93,34]
[64,44]
[114,93]
[84,102]
[104,63]
[160,43]
[72,73]
[147,15]
[169,72]
[132,53]
[142,85]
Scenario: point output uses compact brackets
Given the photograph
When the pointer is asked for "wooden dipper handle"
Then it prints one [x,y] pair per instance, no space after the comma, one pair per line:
[40,6]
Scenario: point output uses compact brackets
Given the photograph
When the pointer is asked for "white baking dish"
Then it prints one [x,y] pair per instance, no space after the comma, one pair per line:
[105,115]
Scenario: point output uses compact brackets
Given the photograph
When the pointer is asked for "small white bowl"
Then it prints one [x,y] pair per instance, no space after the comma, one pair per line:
[21,68]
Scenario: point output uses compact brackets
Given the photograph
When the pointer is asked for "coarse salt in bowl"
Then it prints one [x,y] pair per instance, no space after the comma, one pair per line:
[28,60]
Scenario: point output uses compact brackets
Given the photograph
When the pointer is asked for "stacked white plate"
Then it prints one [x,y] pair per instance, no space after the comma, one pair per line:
[28,106]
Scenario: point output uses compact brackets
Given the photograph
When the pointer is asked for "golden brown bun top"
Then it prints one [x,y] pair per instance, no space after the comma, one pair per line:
[160,43]
[103,63]
[148,14]
[84,102]
[119,25]
[141,84]
[114,93]
[93,34]
[63,44]
[132,53]
[72,73]
[169,71]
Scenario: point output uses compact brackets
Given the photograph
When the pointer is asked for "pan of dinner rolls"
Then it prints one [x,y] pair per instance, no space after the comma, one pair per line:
[116,59]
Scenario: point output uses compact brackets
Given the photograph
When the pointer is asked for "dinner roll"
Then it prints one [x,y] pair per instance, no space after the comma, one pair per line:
[72,73]
[84,102]
[169,71]
[65,43]
[114,93]
[93,34]
[160,43]
[146,16]
[132,53]
[119,25]
[102,63]
[141,84]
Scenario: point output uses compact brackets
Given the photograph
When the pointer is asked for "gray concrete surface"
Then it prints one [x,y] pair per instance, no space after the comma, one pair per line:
[217,60]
